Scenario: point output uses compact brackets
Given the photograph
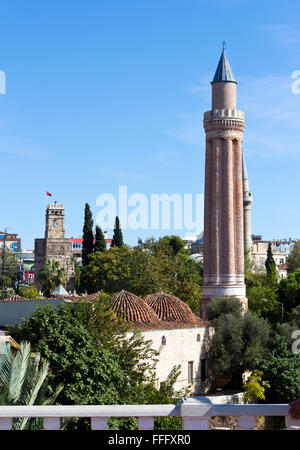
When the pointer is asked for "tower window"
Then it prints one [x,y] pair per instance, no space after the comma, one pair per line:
[191,372]
[198,337]
[163,340]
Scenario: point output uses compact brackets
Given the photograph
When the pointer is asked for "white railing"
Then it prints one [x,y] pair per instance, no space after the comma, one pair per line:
[194,411]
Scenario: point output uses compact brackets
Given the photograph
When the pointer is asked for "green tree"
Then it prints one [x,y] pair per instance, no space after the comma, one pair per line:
[90,374]
[237,340]
[271,266]
[258,287]
[289,291]
[108,271]
[51,276]
[255,387]
[30,292]
[263,302]
[117,240]
[9,269]
[100,244]
[143,270]
[175,242]
[294,317]
[281,367]
[293,260]
[23,382]
[88,237]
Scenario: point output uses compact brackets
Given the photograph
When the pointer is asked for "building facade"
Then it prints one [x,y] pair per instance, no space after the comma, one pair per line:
[11,241]
[54,246]
[76,247]
[280,251]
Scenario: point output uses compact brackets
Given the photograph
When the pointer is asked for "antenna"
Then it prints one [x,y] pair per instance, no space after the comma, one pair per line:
[224,45]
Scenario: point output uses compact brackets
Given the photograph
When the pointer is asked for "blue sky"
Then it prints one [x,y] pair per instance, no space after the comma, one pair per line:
[107,93]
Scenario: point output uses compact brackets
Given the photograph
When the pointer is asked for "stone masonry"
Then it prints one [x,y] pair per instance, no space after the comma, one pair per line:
[54,246]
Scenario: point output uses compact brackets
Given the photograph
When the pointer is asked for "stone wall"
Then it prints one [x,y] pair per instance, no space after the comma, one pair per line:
[181,347]
[14,312]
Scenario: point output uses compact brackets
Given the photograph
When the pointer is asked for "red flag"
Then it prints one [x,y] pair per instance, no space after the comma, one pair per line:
[48,193]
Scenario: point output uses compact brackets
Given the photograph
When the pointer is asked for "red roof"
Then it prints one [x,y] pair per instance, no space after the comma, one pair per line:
[80,240]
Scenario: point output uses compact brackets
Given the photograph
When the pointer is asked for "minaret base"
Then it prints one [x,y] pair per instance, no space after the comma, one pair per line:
[211,292]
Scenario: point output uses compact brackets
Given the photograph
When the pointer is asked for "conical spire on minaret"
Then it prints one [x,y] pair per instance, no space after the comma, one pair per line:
[224,72]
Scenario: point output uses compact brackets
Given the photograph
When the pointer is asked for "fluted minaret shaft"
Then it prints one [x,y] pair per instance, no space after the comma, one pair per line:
[223,271]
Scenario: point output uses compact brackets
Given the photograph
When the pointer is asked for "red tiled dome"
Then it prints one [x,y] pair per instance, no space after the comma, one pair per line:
[135,310]
[171,309]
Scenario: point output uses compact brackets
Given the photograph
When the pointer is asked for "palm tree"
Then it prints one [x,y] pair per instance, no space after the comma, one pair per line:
[23,382]
[51,276]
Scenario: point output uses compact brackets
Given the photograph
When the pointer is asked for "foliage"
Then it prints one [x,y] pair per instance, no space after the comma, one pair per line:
[77,271]
[281,367]
[90,374]
[268,309]
[271,268]
[255,387]
[294,317]
[293,260]
[237,340]
[88,237]
[289,291]
[29,291]
[143,270]
[117,239]
[23,382]
[100,244]
[175,242]
[259,285]
[51,276]
[9,268]
[89,350]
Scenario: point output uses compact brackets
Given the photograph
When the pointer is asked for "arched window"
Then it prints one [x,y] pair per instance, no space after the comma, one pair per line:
[198,337]
[163,340]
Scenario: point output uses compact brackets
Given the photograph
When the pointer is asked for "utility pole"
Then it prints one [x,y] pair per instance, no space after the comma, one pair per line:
[3,260]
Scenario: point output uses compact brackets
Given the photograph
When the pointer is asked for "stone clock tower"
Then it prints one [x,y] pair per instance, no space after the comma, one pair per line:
[54,246]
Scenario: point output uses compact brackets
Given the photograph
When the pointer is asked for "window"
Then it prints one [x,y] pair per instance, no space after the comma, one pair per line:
[198,337]
[203,369]
[163,341]
[191,372]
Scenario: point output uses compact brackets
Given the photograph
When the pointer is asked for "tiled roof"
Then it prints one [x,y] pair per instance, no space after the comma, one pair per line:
[172,310]
[135,310]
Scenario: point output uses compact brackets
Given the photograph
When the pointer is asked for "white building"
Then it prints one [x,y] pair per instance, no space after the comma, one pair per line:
[170,324]
[280,251]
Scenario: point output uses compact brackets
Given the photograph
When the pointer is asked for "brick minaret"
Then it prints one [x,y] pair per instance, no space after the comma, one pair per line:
[223,206]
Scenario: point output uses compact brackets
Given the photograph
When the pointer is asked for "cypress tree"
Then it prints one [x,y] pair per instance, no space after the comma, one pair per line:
[88,237]
[270,262]
[271,266]
[100,244]
[117,240]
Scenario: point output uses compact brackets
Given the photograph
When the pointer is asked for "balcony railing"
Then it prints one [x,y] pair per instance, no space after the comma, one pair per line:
[194,411]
